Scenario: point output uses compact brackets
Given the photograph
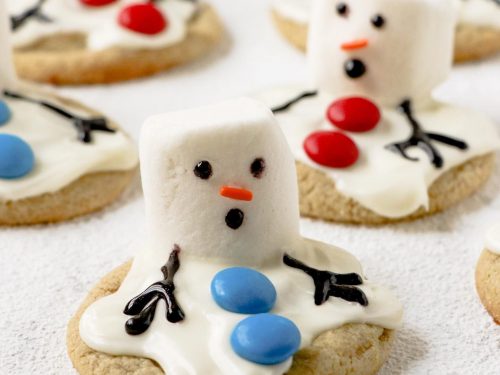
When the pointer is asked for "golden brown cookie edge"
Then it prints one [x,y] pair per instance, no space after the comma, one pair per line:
[488,283]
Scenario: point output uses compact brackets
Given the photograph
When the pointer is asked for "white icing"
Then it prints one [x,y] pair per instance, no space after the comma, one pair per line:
[407,58]
[476,12]
[60,158]
[230,136]
[381,180]
[100,23]
[493,239]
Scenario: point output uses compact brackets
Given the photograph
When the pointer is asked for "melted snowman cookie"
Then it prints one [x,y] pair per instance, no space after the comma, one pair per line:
[58,159]
[488,274]
[224,282]
[477,33]
[100,41]
[372,144]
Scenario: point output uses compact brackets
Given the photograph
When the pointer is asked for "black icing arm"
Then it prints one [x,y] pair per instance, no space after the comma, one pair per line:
[330,284]
[33,12]
[142,308]
[293,101]
[419,138]
[84,126]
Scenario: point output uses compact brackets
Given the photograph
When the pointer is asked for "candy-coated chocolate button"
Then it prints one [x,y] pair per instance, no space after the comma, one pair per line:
[243,290]
[96,3]
[265,339]
[142,18]
[353,114]
[331,149]
[4,113]
[16,157]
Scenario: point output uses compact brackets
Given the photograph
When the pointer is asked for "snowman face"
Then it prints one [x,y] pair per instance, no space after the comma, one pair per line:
[387,50]
[220,182]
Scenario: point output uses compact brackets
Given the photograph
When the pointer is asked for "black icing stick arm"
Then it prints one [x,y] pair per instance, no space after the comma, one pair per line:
[290,103]
[142,308]
[35,11]
[419,138]
[330,284]
[84,126]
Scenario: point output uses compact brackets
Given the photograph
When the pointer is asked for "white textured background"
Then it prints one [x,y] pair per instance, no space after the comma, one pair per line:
[45,272]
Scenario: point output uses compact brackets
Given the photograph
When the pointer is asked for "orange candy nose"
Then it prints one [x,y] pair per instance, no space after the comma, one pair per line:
[355,44]
[236,193]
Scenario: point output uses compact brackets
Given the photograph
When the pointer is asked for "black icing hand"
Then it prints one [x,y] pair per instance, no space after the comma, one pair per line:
[84,127]
[423,140]
[33,12]
[330,284]
[292,102]
[143,307]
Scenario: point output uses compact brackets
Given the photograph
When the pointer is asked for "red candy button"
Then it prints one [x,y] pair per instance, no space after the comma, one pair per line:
[142,18]
[353,114]
[96,3]
[331,149]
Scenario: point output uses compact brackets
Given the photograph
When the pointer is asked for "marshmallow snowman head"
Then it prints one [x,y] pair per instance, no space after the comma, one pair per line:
[220,182]
[386,50]
[7,72]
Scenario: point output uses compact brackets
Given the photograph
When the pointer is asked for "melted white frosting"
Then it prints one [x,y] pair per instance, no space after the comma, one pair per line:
[60,158]
[476,12]
[493,239]
[100,23]
[381,180]
[200,344]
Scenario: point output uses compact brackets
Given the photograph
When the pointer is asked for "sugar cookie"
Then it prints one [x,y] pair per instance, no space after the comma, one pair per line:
[58,158]
[224,282]
[74,42]
[372,144]
[488,274]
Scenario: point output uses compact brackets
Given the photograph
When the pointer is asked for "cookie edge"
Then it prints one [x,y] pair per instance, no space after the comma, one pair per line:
[319,198]
[487,277]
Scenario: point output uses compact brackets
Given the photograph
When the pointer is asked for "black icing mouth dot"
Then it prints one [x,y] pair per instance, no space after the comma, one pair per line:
[354,68]
[234,218]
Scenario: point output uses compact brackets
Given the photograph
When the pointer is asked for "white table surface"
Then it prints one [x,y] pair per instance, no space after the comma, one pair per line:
[46,271]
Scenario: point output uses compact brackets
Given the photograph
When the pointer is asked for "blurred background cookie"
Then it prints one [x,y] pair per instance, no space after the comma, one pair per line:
[373,145]
[75,42]
[58,158]
[488,274]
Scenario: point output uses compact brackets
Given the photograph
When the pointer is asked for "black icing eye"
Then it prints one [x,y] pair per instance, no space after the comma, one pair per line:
[378,21]
[257,168]
[203,170]
[342,9]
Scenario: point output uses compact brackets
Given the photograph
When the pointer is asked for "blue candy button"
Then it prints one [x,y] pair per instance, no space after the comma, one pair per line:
[16,157]
[265,339]
[4,113]
[243,290]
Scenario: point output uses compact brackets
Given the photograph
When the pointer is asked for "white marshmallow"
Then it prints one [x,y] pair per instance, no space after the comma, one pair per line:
[184,209]
[406,58]
[7,71]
